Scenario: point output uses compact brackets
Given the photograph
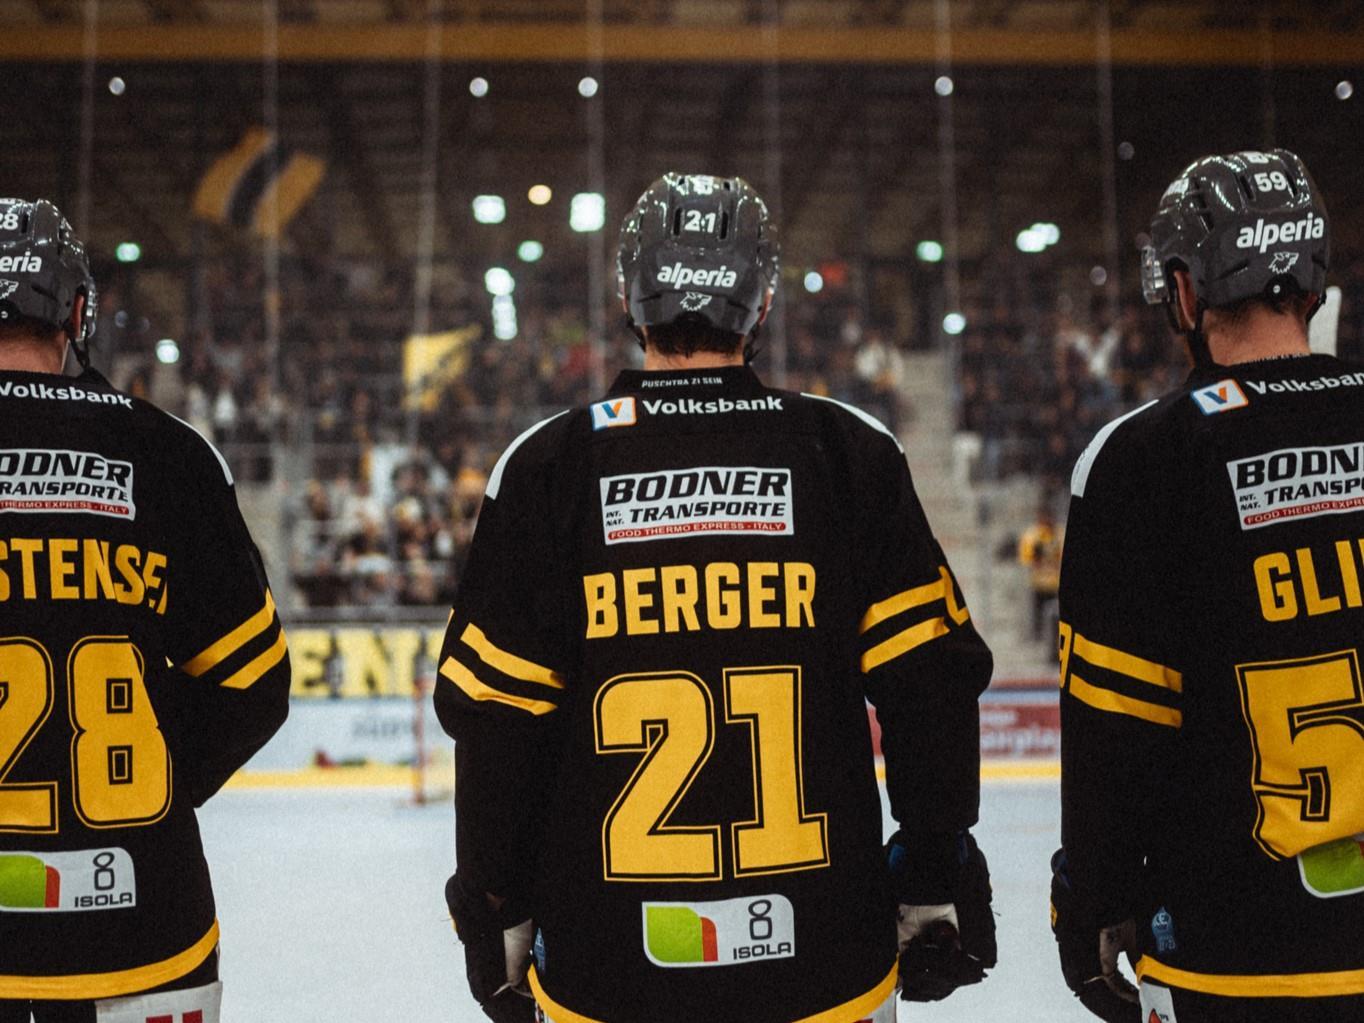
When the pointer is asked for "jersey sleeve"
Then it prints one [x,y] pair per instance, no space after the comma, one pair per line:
[924,664]
[502,674]
[1120,677]
[224,634]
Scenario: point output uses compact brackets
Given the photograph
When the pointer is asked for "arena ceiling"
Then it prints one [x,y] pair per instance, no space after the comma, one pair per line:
[829,108]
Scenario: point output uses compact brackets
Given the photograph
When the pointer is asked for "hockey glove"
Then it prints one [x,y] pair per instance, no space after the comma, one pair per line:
[947,929]
[1089,952]
[497,944]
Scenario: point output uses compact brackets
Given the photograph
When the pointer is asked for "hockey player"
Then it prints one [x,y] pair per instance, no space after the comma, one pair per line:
[122,554]
[1212,709]
[676,604]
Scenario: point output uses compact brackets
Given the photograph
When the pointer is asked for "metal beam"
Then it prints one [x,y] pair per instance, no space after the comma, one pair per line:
[842,106]
[536,42]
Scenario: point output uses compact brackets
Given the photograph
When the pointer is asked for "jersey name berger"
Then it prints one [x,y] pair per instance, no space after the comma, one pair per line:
[692,502]
[1298,483]
[35,480]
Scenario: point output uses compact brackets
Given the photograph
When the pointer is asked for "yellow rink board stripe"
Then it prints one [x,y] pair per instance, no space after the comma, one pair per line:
[399,776]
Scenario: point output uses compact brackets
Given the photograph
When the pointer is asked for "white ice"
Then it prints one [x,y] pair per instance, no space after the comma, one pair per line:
[332,910]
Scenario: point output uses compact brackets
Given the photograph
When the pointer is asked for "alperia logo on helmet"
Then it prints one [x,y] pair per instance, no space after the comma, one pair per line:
[25,264]
[1263,235]
[679,276]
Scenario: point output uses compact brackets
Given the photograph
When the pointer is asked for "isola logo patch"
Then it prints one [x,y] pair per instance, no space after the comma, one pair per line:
[613,412]
[690,934]
[67,882]
[1222,396]
[1334,869]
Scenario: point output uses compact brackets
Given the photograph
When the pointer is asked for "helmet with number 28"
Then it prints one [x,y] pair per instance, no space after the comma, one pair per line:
[43,269]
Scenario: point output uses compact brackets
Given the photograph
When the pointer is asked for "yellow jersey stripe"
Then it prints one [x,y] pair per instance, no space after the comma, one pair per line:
[466,680]
[247,676]
[861,1007]
[113,984]
[1264,985]
[220,650]
[903,642]
[509,663]
[1127,664]
[901,602]
[1106,699]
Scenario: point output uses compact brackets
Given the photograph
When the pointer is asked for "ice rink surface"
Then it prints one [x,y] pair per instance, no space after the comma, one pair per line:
[332,910]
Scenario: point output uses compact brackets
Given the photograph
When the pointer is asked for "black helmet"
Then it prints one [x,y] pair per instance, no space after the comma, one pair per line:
[698,247]
[42,270]
[1245,225]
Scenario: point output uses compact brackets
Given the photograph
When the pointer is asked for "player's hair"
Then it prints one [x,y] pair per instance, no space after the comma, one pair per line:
[688,335]
[1291,303]
[28,328]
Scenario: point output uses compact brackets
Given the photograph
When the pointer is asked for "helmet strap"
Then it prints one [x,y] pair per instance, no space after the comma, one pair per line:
[635,329]
[1197,340]
[751,346]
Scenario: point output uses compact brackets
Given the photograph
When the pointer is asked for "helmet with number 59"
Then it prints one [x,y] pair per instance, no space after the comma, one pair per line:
[1245,225]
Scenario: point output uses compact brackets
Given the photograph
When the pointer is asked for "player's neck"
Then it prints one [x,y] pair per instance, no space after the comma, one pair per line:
[1270,337]
[657,361]
[20,355]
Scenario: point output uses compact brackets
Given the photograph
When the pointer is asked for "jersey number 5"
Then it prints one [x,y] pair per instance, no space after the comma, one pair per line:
[1306,720]
[119,762]
[668,718]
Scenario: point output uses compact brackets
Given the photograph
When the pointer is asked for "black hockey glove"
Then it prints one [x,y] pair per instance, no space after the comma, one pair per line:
[496,951]
[1089,952]
[947,929]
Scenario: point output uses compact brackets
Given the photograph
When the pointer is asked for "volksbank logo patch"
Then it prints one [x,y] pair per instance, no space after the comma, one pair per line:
[696,407]
[613,412]
[35,480]
[1265,236]
[691,934]
[67,882]
[1298,483]
[695,502]
[25,264]
[680,276]
[1222,396]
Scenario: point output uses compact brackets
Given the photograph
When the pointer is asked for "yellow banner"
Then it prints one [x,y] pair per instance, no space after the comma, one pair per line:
[344,661]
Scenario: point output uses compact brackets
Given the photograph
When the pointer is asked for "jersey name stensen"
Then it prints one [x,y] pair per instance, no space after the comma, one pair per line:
[1263,235]
[67,568]
[678,276]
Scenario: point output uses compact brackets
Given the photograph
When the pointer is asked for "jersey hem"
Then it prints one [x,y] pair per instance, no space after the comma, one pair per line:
[1262,985]
[856,1009]
[113,984]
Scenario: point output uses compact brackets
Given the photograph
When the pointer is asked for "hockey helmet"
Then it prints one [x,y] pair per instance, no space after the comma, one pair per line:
[699,247]
[1244,225]
[42,270]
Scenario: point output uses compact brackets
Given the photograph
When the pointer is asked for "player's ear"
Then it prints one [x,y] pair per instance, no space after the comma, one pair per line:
[1186,301]
[767,306]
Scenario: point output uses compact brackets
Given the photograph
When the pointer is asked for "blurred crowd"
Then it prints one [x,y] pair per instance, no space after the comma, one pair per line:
[383,491]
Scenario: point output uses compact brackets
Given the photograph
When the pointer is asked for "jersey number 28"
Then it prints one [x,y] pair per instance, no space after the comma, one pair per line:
[120,766]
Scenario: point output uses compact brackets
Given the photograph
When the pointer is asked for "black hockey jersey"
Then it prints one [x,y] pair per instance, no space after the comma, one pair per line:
[122,554]
[1212,709]
[677,603]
